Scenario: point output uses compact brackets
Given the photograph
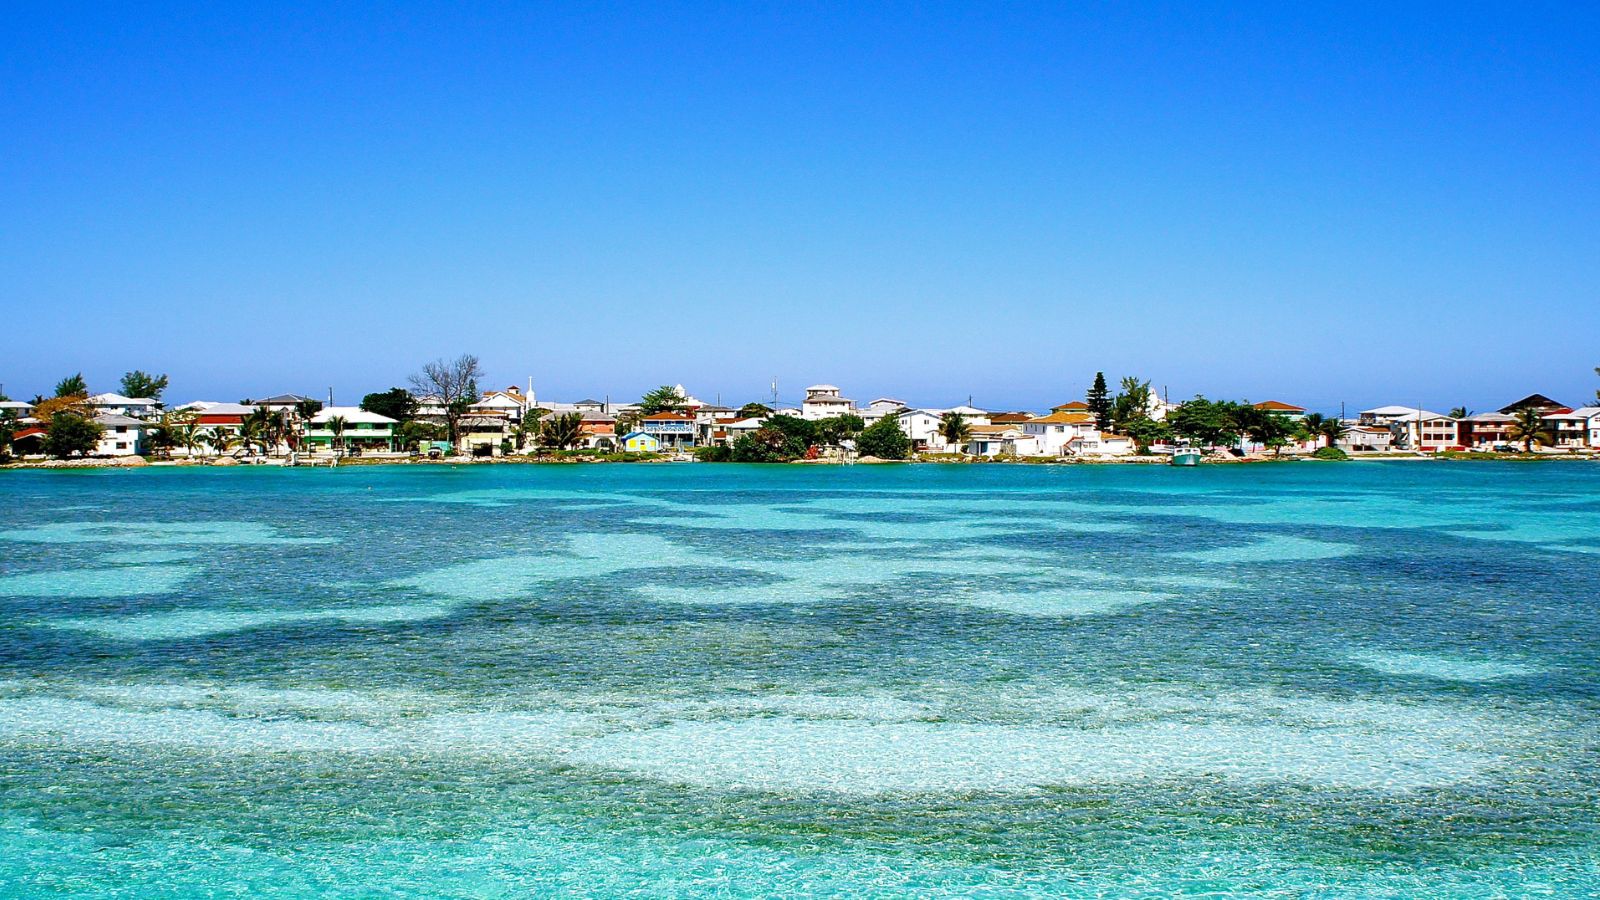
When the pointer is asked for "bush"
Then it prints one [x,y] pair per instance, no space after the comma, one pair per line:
[884,439]
[713,453]
[1330,453]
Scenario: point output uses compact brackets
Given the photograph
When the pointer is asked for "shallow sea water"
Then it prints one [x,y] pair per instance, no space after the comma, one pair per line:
[1304,680]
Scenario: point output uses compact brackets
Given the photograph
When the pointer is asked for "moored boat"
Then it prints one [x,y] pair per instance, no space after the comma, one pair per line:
[1186,456]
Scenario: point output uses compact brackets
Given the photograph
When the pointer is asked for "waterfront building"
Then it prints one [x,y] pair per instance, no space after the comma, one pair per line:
[823,401]
[1485,429]
[1414,428]
[121,435]
[362,430]
[640,442]
[118,405]
[1365,438]
[1055,434]
[1000,440]
[670,429]
[1575,428]
[1287,410]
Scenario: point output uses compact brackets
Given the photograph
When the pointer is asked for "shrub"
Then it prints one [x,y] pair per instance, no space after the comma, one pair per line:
[1330,453]
[713,453]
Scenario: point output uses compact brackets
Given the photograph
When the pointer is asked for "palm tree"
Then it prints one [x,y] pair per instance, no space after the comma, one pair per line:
[336,425]
[954,429]
[248,437]
[1332,429]
[563,431]
[1528,426]
[1312,424]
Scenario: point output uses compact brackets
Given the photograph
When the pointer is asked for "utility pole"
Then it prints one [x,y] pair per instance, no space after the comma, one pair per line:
[774,393]
[330,396]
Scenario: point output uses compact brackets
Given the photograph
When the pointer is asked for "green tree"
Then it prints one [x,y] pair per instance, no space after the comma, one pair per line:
[754,411]
[764,445]
[884,439]
[1146,431]
[835,429]
[1459,412]
[1099,402]
[1206,422]
[72,386]
[1270,429]
[954,429]
[1528,426]
[663,399]
[71,434]
[8,432]
[563,431]
[139,383]
[1131,404]
[798,435]
[453,385]
[396,403]
[411,435]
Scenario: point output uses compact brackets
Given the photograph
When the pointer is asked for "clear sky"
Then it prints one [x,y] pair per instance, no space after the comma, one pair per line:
[1396,203]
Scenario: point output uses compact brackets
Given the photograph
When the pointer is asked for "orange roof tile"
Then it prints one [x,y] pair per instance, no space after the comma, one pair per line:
[1279,406]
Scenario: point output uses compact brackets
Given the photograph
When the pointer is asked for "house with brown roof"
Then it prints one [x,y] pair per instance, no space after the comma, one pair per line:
[1053,434]
[671,429]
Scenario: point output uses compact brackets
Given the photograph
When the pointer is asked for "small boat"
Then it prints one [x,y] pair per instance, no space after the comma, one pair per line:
[1186,456]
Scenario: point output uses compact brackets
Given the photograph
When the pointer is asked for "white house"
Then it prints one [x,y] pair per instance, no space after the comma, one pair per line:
[362,430]
[1578,428]
[120,435]
[823,401]
[1414,428]
[1057,433]
[118,405]
[1001,440]
[1365,438]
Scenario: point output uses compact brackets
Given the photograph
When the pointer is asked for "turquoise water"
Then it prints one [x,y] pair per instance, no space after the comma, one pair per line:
[1368,679]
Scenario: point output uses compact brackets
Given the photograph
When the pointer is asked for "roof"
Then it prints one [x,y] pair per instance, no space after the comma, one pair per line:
[1489,417]
[110,399]
[15,404]
[993,429]
[638,434]
[587,402]
[1062,418]
[1582,412]
[1279,406]
[220,409]
[968,410]
[675,416]
[110,419]
[351,414]
[821,387]
[283,400]
[1072,406]
[887,400]
[1010,417]
[1538,401]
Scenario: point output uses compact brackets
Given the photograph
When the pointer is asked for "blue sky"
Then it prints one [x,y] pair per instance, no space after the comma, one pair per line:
[1320,204]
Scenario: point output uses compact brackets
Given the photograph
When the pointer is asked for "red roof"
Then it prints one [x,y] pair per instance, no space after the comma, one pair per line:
[1279,406]
[674,416]
[1073,406]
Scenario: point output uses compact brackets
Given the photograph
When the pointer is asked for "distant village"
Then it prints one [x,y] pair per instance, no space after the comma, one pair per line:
[444,415]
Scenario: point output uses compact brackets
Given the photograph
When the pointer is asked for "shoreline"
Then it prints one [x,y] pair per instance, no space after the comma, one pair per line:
[136,462]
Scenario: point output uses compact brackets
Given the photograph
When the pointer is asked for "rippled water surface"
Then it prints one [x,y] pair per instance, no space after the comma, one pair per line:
[1367,679]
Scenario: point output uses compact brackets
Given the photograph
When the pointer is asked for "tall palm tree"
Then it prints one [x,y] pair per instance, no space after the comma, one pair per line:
[336,425]
[1528,426]
[954,429]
